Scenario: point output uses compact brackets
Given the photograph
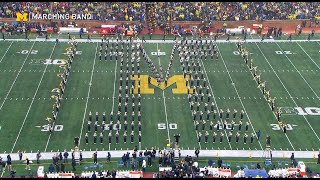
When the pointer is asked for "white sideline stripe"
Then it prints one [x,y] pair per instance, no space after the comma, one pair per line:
[234,86]
[274,114]
[114,84]
[286,90]
[164,102]
[16,76]
[308,55]
[32,100]
[88,96]
[6,52]
[298,71]
[214,99]
[184,153]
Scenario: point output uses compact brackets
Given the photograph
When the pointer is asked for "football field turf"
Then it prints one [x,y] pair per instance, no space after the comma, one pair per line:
[29,74]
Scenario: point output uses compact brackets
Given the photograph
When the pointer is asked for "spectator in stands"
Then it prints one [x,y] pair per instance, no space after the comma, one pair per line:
[114,173]
[51,168]
[318,162]
[13,173]
[94,175]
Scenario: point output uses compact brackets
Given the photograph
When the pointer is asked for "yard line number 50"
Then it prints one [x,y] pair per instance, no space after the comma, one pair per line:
[164,126]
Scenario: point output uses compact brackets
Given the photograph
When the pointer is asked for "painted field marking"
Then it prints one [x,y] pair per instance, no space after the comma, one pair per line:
[286,90]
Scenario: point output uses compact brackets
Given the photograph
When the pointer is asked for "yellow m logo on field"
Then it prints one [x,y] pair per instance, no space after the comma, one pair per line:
[145,89]
[23,17]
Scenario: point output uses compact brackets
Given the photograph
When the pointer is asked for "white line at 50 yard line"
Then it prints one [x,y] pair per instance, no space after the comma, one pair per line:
[88,96]
[164,102]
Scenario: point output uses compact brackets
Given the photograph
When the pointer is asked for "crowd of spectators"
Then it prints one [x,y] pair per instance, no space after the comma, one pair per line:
[171,11]
[185,168]
[117,11]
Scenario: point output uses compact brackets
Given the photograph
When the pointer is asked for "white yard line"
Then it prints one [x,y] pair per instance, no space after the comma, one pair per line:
[298,71]
[14,81]
[308,55]
[6,52]
[286,90]
[234,86]
[114,85]
[214,99]
[25,118]
[274,114]
[164,101]
[88,96]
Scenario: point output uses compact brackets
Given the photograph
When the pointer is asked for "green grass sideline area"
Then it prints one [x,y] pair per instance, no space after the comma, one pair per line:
[19,166]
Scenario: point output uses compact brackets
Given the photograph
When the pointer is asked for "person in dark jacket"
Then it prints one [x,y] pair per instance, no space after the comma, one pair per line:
[73,164]
[219,162]
[51,168]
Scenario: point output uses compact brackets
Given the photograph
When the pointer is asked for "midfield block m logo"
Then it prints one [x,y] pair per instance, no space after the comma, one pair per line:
[145,89]
[20,16]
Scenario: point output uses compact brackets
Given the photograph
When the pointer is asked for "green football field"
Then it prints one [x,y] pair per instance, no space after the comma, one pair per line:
[29,74]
